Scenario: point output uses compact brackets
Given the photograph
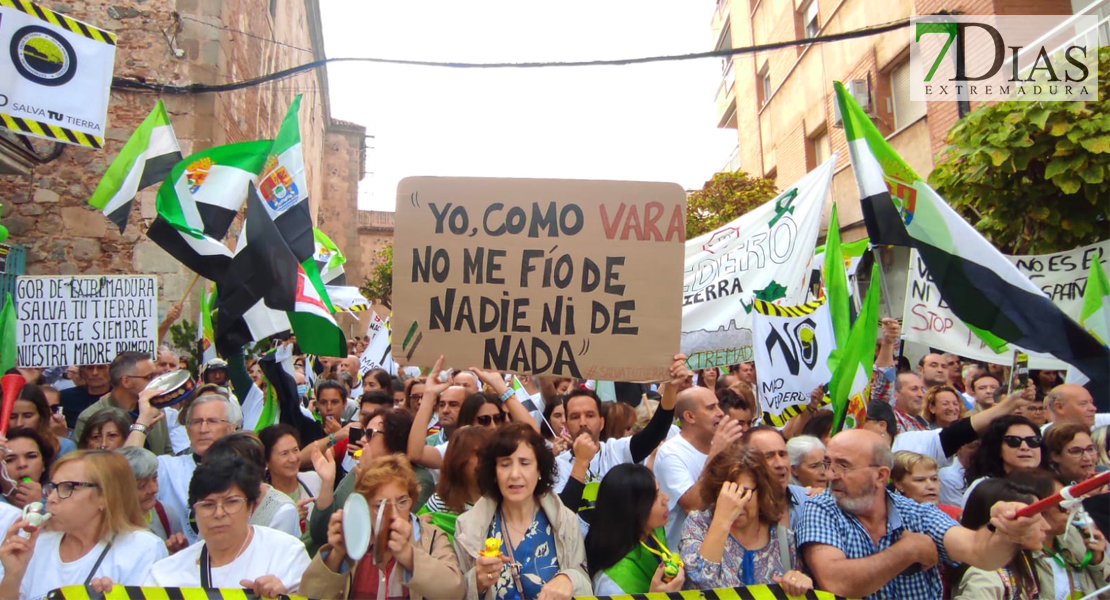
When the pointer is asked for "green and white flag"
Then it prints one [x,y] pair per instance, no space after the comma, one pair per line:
[329,260]
[1095,316]
[206,336]
[146,159]
[198,201]
[986,291]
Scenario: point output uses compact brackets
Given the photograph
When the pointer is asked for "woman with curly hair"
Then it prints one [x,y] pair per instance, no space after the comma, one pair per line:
[739,540]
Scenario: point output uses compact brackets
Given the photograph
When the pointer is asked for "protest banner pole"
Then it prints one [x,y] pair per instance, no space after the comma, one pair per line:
[1077,490]
[877,256]
[181,302]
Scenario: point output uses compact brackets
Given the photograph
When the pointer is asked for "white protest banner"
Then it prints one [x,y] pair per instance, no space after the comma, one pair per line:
[539,276]
[1062,276]
[84,320]
[56,76]
[377,353]
[792,347]
[764,255]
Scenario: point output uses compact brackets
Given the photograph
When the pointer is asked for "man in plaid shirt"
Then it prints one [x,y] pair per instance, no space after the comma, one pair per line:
[861,541]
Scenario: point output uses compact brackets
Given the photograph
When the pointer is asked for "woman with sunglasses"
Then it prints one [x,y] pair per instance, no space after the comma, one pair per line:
[416,563]
[232,553]
[457,490]
[626,548]
[414,391]
[1009,442]
[482,409]
[541,553]
[97,534]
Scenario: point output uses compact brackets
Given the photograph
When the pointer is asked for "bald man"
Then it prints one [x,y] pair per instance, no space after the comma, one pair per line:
[861,541]
[1071,402]
[705,430]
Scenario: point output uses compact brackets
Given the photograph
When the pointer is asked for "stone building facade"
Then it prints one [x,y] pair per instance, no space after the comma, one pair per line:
[181,42]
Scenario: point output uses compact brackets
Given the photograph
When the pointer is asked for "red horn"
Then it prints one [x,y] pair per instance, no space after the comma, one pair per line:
[11,385]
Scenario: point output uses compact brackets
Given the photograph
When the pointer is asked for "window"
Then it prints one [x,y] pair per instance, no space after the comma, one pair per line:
[819,144]
[764,84]
[906,111]
[810,21]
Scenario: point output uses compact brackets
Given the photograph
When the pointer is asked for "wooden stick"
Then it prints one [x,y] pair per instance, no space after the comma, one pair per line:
[185,296]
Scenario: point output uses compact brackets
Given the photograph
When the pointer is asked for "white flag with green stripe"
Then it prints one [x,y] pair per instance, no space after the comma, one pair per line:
[145,160]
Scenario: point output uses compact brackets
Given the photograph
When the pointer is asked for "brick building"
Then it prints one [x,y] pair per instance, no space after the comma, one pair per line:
[781,102]
[180,42]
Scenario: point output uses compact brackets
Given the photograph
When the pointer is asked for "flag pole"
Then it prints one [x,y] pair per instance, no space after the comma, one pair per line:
[181,302]
[876,254]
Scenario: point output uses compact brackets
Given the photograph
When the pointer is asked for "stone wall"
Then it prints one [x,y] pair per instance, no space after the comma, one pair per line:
[344,153]
[204,41]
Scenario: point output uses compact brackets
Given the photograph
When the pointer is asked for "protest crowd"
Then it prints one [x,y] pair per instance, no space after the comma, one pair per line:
[673,486]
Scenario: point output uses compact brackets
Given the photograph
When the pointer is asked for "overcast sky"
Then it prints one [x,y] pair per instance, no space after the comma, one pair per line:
[652,122]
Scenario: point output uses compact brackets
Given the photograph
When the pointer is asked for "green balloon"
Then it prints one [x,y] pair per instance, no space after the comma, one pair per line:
[3,233]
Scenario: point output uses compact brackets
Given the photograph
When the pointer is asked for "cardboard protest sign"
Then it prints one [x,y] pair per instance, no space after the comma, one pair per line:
[763,255]
[56,76]
[377,352]
[539,276]
[1062,276]
[792,347]
[74,320]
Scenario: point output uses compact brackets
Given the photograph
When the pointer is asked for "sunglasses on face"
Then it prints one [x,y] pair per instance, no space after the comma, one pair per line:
[1014,441]
[485,420]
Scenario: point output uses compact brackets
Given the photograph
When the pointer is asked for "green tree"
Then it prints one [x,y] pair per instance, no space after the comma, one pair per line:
[724,198]
[1033,177]
[183,336]
[379,287]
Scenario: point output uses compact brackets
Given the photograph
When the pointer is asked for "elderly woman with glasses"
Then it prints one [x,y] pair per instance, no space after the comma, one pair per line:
[96,535]
[232,553]
[417,560]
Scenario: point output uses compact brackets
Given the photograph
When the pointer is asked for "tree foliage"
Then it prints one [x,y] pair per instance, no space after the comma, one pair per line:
[379,287]
[724,198]
[1033,177]
[183,337]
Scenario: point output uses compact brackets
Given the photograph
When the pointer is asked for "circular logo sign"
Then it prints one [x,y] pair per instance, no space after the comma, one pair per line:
[42,56]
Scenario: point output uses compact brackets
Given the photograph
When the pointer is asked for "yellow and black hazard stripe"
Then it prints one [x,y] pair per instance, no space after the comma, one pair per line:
[774,310]
[752,592]
[59,20]
[358,307]
[46,130]
[788,413]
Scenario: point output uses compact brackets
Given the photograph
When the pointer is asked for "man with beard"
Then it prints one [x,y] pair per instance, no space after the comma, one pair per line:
[705,430]
[580,471]
[862,541]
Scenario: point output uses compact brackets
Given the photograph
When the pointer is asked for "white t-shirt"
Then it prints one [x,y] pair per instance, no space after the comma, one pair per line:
[678,464]
[271,552]
[922,442]
[179,434]
[127,563]
[8,515]
[952,484]
[174,475]
[611,454]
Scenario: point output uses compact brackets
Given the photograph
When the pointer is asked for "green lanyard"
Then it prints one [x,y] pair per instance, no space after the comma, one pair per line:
[1064,561]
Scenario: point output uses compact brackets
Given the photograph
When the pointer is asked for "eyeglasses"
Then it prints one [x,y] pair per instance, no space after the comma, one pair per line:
[65,488]
[402,504]
[231,506]
[146,378]
[485,420]
[208,422]
[1077,451]
[1014,441]
[839,469]
[819,466]
[416,397]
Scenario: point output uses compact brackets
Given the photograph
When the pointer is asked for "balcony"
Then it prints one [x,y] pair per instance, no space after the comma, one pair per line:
[720,17]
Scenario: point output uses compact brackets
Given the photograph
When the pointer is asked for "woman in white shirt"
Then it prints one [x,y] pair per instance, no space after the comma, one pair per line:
[97,535]
[273,509]
[232,553]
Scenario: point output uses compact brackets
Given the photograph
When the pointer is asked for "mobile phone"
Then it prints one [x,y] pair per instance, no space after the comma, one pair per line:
[56,409]
[1020,372]
[355,436]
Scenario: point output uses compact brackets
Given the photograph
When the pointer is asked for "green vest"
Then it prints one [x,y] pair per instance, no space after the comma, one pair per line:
[633,573]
